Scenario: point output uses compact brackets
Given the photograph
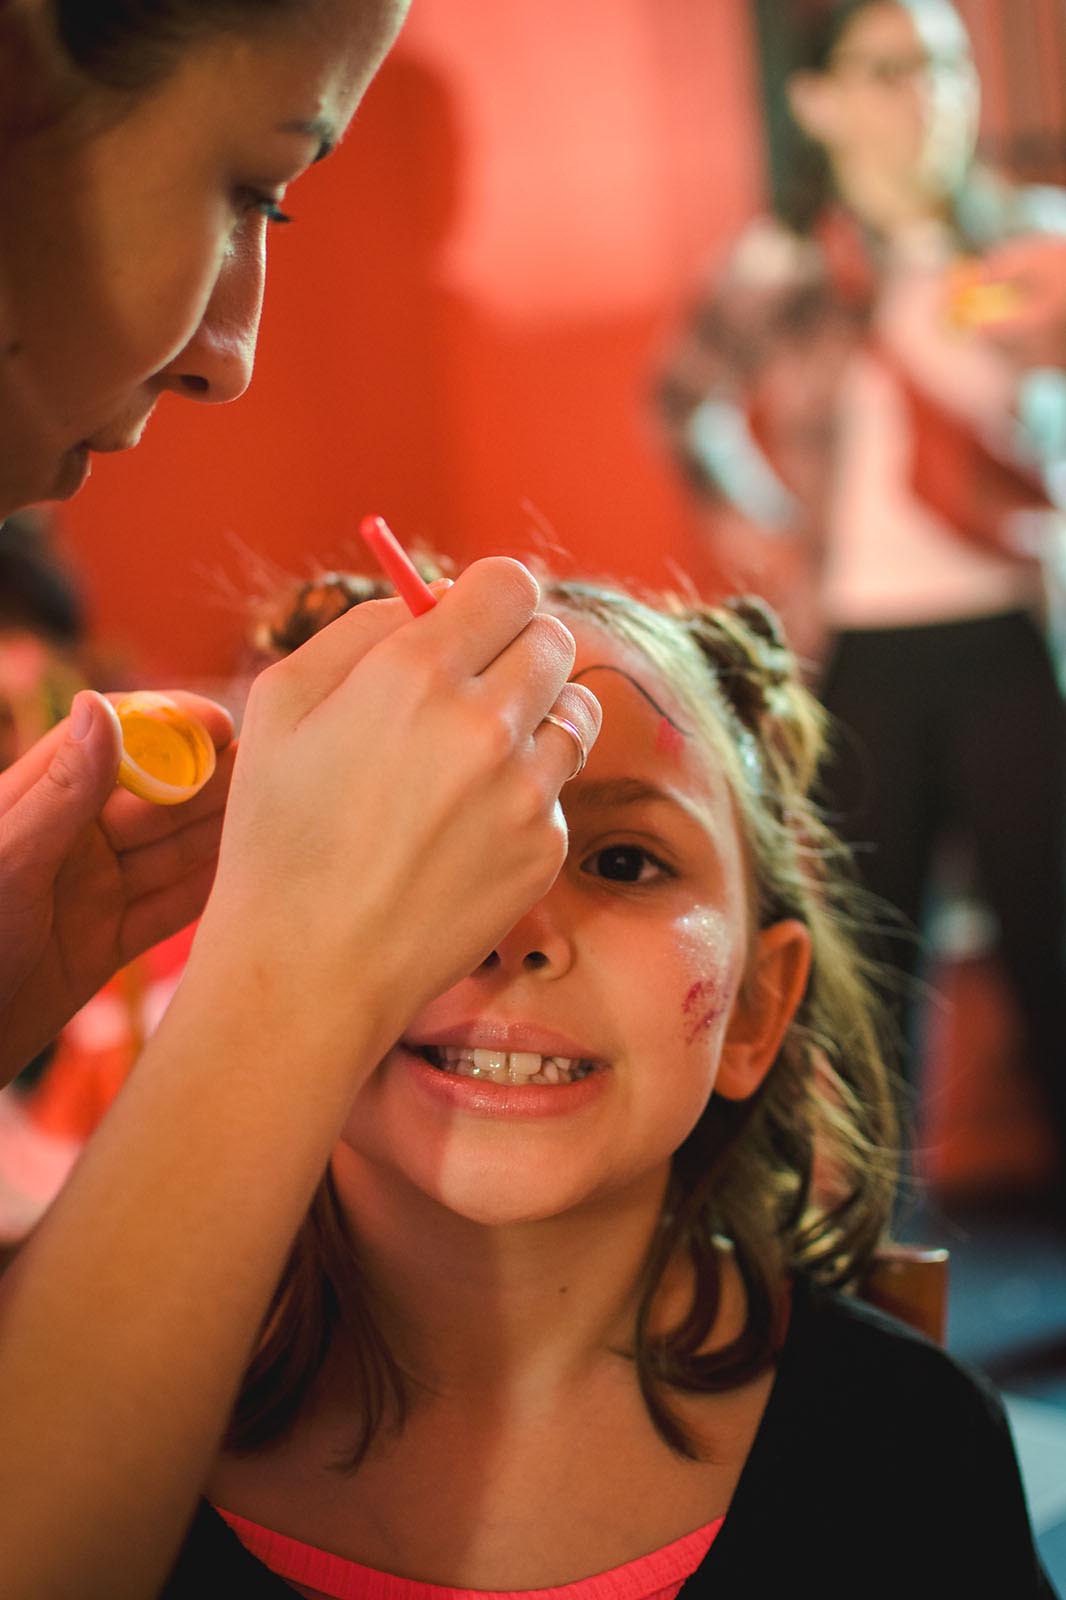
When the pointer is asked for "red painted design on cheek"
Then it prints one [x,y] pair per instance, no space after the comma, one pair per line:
[702,1007]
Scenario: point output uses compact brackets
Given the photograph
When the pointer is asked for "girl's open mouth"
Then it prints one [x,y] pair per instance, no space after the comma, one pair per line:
[511,1067]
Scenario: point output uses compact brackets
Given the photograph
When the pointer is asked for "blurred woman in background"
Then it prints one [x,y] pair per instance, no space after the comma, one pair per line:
[848,392]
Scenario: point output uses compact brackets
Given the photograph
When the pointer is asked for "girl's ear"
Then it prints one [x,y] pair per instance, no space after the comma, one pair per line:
[769,996]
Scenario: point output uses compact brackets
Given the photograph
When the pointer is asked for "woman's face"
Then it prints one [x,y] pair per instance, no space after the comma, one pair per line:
[626,979]
[132,262]
[901,97]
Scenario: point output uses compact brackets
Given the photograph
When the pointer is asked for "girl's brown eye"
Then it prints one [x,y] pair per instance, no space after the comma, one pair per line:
[624,863]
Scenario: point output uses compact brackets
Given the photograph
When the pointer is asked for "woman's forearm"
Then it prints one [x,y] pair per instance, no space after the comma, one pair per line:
[391,815]
[127,1322]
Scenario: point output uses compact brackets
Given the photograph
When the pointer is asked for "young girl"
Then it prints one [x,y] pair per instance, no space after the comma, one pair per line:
[565,1314]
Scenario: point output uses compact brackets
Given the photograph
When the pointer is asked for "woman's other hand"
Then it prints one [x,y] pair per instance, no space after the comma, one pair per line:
[1023,309]
[90,875]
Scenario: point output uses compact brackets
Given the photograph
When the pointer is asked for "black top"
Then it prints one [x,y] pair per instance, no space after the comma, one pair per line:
[882,1467]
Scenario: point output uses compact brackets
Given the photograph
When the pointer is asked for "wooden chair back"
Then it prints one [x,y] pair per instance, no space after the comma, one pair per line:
[910,1282]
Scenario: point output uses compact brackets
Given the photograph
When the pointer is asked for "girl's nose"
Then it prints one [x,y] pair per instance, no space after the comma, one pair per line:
[536,945]
[216,364]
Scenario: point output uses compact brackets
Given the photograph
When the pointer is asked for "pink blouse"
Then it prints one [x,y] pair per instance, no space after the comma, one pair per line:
[320,1576]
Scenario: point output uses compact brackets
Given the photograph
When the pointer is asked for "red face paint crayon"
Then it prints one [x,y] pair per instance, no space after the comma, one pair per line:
[397,565]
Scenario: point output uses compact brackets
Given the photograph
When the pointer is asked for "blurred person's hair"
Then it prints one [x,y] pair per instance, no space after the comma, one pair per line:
[38,594]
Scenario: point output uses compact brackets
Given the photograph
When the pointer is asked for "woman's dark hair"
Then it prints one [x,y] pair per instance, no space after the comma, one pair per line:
[808,185]
[799,1178]
[132,44]
[818,40]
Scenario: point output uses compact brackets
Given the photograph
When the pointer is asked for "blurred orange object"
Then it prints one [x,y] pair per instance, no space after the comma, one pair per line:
[975,298]
[43,1130]
[97,1049]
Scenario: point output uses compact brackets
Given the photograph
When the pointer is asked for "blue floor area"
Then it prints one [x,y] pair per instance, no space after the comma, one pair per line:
[1007,1317]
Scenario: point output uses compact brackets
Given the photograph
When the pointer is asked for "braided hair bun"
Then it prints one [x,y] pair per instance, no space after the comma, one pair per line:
[745,646]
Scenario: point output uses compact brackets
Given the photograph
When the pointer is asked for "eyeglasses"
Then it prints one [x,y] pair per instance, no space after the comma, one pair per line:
[890,72]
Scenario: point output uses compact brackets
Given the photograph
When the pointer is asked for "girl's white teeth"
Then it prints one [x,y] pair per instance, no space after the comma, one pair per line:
[508,1066]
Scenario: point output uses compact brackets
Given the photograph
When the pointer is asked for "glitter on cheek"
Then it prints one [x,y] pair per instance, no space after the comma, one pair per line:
[713,969]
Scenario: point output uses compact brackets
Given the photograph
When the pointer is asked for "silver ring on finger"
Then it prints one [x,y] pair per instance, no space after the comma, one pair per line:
[568,727]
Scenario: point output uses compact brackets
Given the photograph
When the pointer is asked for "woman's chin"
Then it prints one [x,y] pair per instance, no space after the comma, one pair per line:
[73,472]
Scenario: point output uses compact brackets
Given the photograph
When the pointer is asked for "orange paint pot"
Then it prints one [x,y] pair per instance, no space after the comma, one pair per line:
[167,755]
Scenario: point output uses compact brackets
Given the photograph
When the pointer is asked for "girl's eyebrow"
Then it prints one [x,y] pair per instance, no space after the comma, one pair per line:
[606,792]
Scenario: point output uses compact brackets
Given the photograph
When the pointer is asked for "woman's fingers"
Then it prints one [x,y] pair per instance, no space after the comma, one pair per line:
[215,718]
[170,857]
[29,768]
[130,823]
[52,811]
[22,774]
[528,675]
[568,732]
[293,687]
[398,823]
[163,911]
[479,616]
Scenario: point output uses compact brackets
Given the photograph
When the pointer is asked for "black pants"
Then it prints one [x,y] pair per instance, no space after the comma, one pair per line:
[960,726]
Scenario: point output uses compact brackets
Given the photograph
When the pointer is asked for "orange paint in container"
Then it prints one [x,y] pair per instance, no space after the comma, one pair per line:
[167,755]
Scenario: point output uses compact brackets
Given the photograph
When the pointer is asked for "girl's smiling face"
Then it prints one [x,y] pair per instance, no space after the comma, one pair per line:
[133,262]
[641,964]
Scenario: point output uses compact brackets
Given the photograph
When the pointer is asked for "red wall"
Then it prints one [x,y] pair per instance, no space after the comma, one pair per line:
[459,327]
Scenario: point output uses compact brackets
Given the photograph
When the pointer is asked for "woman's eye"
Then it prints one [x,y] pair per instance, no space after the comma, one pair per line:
[253,201]
[625,863]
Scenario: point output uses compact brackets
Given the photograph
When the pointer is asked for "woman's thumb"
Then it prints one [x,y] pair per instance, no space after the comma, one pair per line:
[72,789]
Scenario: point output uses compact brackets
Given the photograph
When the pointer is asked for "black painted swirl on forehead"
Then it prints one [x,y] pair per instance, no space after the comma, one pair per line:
[645,694]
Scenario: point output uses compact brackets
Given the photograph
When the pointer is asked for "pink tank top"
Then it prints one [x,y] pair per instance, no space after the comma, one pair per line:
[317,1575]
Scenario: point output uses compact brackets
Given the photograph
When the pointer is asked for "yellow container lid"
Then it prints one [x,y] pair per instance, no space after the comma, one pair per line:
[167,755]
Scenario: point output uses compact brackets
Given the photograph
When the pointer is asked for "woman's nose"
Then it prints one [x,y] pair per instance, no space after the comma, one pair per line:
[216,364]
[538,944]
